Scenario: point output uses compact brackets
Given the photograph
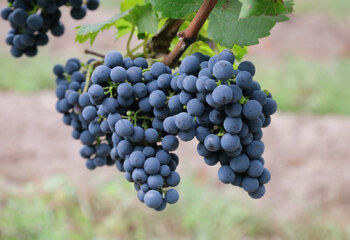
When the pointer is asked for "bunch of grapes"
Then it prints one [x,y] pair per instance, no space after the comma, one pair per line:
[30,21]
[132,115]
[230,110]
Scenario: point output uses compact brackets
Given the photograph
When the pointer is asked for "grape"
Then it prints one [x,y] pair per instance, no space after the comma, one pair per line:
[252,109]
[223,70]
[216,117]
[5,12]
[173,179]
[255,169]
[259,96]
[195,107]
[158,69]
[265,176]
[157,98]
[201,133]
[100,74]
[222,95]
[113,59]
[164,80]
[244,79]
[175,105]
[185,97]
[139,175]
[270,107]
[233,125]
[96,92]
[92,4]
[189,83]
[149,151]
[190,65]
[124,148]
[255,149]
[35,22]
[152,165]
[211,160]
[170,143]
[89,113]
[200,83]
[202,151]
[164,170]
[229,143]
[240,163]
[138,134]
[124,90]
[155,181]
[212,142]
[226,175]
[247,66]
[153,199]
[134,75]
[137,158]
[118,74]
[209,85]
[258,193]
[124,128]
[183,121]
[187,135]
[226,55]
[141,62]
[250,184]
[212,61]
[233,110]
[205,72]
[171,196]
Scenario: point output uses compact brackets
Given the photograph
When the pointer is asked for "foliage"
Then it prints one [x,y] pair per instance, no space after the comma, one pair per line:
[231,23]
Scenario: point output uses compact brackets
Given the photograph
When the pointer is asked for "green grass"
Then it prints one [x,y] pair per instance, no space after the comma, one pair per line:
[303,85]
[26,75]
[57,210]
[337,10]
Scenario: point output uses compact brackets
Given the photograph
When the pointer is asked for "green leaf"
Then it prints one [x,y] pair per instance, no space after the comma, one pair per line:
[127,4]
[176,8]
[262,7]
[90,31]
[226,28]
[239,52]
[142,16]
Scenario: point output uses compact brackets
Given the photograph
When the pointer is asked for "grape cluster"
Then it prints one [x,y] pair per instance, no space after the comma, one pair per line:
[134,99]
[30,21]
[229,109]
[131,115]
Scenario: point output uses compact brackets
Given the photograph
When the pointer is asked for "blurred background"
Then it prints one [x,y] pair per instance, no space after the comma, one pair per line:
[47,193]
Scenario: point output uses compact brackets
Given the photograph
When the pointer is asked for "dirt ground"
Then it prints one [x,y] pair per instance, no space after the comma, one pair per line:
[308,156]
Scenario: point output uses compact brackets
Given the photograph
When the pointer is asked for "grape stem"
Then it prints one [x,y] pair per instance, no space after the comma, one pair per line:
[128,50]
[189,36]
[88,51]
[159,44]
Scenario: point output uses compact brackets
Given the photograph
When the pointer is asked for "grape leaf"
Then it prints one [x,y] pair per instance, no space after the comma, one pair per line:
[142,16]
[91,31]
[127,4]
[226,28]
[176,8]
[262,7]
